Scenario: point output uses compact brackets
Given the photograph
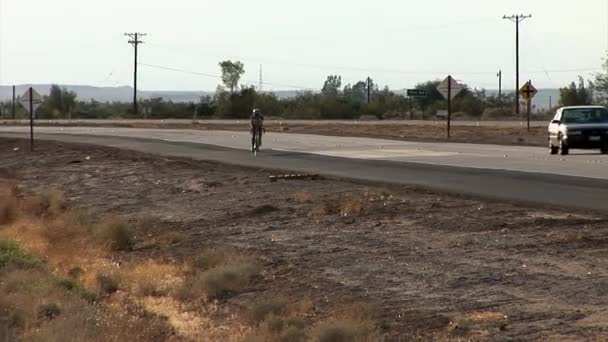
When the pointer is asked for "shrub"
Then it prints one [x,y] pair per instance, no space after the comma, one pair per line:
[11,254]
[48,311]
[8,205]
[259,311]
[150,278]
[119,237]
[73,286]
[107,283]
[224,274]
[225,280]
[50,203]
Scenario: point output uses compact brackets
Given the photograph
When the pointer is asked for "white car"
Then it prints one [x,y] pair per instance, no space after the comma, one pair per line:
[583,127]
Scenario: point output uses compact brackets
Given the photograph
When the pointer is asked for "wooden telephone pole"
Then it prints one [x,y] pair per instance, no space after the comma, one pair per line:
[135,41]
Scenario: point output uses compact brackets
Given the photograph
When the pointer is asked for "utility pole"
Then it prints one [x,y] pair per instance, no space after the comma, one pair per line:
[261,80]
[517,19]
[500,87]
[13,105]
[449,105]
[135,41]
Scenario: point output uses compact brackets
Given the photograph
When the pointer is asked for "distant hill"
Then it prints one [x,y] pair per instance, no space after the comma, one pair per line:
[107,94]
[125,94]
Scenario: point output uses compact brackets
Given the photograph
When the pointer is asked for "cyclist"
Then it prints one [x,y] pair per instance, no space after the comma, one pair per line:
[257,127]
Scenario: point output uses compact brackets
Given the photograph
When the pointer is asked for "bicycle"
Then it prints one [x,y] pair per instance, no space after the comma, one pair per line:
[256,139]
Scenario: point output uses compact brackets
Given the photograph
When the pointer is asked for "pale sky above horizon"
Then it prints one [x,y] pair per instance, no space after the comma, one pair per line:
[397,43]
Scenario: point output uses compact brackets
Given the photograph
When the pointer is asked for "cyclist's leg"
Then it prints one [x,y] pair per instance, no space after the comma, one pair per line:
[260,137]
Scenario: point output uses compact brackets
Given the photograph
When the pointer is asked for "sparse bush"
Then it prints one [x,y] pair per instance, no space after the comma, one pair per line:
[259,311]
[151,278]
[67,228]
[75,273]
[303,197]
[218,273]
[73,286]
[336,332]
[11,254]
[351,323]
[50,203]
[108,283]
[119,236]
[277,328]
[48,311]
[8,205]
[210,258]
[224,280]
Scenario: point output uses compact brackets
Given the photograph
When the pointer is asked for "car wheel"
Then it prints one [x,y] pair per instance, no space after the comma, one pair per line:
[564,150]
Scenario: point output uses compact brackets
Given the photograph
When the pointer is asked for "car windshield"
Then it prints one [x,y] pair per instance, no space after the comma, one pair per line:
[585,115]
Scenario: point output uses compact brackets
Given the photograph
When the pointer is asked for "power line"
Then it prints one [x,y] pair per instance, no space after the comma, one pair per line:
[135,41]
[517,19]
[196,73]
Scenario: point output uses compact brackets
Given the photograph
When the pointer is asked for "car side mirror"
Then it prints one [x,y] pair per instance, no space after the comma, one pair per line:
[556,122]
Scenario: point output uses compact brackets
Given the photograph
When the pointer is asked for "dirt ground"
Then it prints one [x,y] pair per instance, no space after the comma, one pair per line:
[435,267]
[501,135]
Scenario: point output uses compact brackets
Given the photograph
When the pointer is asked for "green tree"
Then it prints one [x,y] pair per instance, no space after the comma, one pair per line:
[235,105]
[231,74]
[576,94]
[332,85]
[601,83]
[432,95]
[60,100]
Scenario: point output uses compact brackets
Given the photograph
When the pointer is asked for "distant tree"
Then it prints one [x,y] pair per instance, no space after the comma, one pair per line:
[576,94]
[432,95]
[60,100]
[332,85]
[357,92]
[601,83]
[231,74]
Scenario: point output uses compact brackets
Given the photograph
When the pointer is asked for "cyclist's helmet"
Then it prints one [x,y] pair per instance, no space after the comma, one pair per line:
[257,112]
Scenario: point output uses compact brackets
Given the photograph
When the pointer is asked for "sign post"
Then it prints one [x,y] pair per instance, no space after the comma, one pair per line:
[528,91]
[412,93]
[449,88]
[31,100]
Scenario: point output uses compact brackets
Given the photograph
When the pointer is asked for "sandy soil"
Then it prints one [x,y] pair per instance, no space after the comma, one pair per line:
[435,266]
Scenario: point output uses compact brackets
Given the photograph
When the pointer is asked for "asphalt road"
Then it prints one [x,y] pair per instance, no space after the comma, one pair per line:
[509,173]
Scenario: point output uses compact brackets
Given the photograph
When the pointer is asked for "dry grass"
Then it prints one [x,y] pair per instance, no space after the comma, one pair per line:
[303,197]
[108,283]
[350,323]
[39,306]
[8,204]
[486,316]
[151,278]
[276,321]
[218,273]
[48,204]
[264,308]
[117,235]
[36,306]
[347,204]
[12,255]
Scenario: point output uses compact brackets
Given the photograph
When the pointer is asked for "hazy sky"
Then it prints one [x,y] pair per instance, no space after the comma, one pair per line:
[299,43]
